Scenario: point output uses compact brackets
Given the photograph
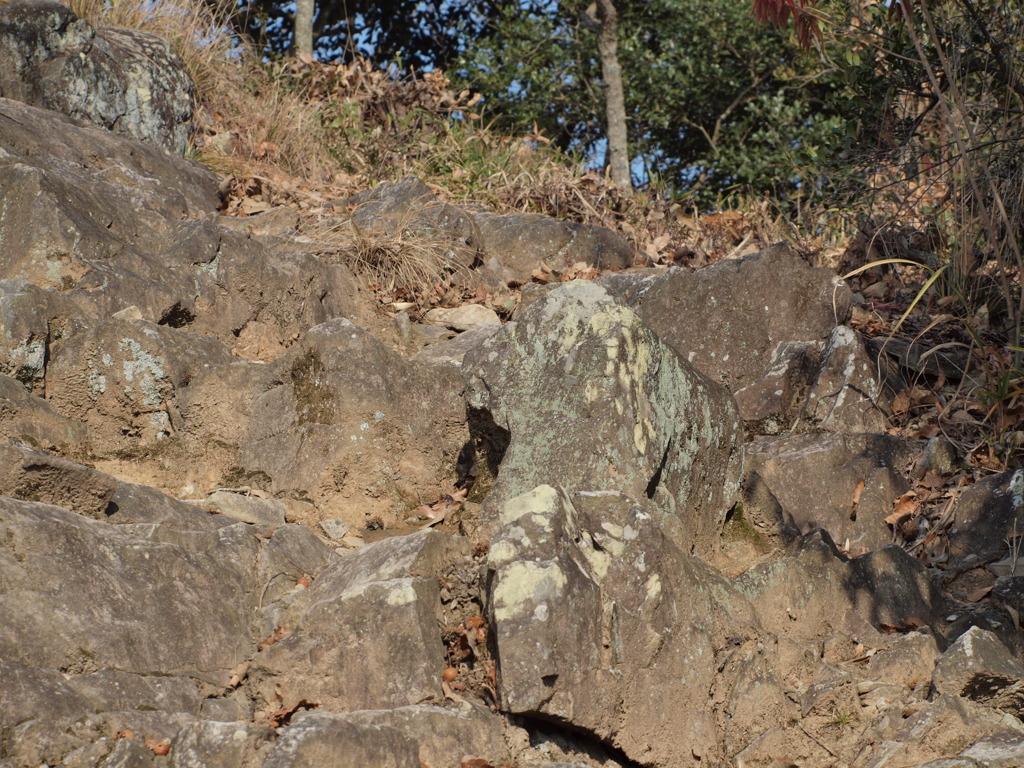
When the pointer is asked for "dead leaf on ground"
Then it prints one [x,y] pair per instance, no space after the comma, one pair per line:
[856,499]
[905,506]
[279,634]
[979,594]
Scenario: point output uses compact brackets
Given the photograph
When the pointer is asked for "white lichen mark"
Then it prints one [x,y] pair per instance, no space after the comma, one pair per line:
[523,585]
[628,366]
[147,369]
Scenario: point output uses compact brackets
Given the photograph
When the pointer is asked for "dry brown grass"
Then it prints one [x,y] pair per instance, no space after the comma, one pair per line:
[303,134]
[196,31]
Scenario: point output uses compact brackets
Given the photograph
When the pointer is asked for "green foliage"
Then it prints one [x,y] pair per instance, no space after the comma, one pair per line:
[716,100]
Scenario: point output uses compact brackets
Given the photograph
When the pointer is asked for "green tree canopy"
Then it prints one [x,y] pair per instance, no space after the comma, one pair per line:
[715,99]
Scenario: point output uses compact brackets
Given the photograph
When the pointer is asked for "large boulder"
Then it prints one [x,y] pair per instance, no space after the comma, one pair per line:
[121,377]
[756,324]
[845,484]
[140,177]
[122,80]
[29,420]
[979,667]
[579,392]
[515,245]
[346,423]
[815,593]
[109,235]
[146,601]
[386,652]
[600,620]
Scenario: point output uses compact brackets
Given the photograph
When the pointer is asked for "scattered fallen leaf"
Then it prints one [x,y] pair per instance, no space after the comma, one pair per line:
[474,762]
[856,499]
[979,594]
[904,506]
[926,432]
[279,634]
[238,674]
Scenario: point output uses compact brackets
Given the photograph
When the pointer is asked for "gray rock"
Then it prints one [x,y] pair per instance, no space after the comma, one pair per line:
[141,602]
[333,741]
[344,422]
[122,378]
[123,80]
[225,745]
[128,754]
[943,727]
[464,318]
[979,667]
[141,176]
[515,245]
[30,421]
[846,395]
[248,509]
[578,391]
[99,218]
[1002,750]
[772,403]
[908,660]
[454,352]
[444,735]
[939,456]
[31,319]
[599,619]
[811,481]
[731,318]
[986,515]
[509,246]
[335,528]
[38,477]
[816,593]
[389,597]
[134,504]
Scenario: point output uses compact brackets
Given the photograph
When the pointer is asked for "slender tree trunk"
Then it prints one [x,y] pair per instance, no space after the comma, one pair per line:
[304,10]
[615,99]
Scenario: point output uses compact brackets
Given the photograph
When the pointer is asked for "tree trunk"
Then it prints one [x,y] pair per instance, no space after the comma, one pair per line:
[304,10]
[615,99]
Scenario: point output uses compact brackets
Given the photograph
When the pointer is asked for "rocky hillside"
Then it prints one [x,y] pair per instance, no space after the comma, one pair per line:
[254,516]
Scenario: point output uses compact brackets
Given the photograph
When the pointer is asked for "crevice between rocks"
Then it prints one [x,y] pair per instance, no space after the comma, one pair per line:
[655,481]
[571,739]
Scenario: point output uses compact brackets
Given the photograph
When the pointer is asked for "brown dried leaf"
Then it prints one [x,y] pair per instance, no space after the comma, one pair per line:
[279,634]
[905,505]
[979,594]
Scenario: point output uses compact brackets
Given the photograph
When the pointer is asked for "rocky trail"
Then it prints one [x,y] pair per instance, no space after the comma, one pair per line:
[252,515]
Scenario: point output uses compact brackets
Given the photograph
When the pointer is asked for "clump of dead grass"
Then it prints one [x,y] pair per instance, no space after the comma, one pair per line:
[411,263]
